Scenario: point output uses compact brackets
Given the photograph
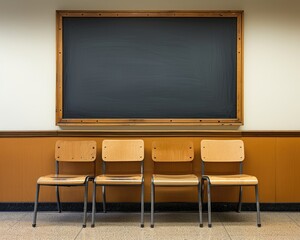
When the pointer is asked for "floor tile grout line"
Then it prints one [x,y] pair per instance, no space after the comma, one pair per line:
[16,222]
[78,233]
[293,220]
[226,231]
[284,219]
[224,228]
[87,220]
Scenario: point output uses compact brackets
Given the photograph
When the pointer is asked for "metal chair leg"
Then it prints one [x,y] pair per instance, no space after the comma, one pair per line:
[239,209]
[142,205]
[208,204]
[85,204]
[202,191]
[257,206]
[200,203]
[94,205]
[152,204]
[104,198]
[36,205]
[58,199]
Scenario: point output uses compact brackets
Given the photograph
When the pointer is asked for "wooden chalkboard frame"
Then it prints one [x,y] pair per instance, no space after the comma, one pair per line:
[60,14]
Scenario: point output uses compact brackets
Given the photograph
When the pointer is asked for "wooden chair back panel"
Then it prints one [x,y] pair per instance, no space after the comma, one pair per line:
[179,151]
[222,151]
[76,151]
[123,150]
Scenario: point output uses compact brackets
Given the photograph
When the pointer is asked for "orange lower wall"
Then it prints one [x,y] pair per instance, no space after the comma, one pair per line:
[275,160]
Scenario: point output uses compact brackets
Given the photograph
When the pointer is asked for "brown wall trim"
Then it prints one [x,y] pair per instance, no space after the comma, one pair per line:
[150,133]
[271,134]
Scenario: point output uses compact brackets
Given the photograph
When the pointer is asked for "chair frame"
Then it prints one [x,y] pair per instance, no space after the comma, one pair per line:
[153,194]
[59,208]
[153,201]
[239,207]
[111,185]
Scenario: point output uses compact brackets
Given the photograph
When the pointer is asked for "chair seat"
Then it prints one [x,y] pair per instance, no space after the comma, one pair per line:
[60,179]
[238,179]
[175,180]
[119,179]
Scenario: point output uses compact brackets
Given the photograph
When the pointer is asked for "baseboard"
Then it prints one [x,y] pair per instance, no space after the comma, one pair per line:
[159,207]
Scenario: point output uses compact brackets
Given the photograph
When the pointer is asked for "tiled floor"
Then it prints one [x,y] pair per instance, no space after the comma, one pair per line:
[173,226]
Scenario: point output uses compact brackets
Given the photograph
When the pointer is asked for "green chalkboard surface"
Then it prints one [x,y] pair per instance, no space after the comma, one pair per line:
[144,70]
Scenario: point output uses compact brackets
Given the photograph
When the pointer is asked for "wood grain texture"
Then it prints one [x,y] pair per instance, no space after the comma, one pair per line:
[175,180]
[57,179]
[271,156]
[172,151]
[237,179]
[222,151]
[119,179]
[75,151]
[123,150]
[288,174]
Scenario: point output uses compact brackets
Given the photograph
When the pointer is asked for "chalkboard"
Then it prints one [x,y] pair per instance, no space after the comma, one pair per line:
[149,70]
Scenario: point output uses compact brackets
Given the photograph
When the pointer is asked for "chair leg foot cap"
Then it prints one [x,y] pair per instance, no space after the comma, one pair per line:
[209,225]
[201,225]
[84,225]
[33,225]
[259,225]
[93,225]
[142,225]
[152,226]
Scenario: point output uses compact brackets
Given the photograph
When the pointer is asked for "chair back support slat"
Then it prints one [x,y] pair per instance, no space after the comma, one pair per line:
[169,151]
[123,150]
[222,151]
[75,151]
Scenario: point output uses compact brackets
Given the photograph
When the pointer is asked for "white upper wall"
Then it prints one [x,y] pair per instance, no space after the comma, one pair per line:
[271,58]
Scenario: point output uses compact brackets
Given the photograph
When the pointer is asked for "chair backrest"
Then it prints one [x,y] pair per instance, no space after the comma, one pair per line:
[172,151]
[75,151]
[222,151]
[123,150]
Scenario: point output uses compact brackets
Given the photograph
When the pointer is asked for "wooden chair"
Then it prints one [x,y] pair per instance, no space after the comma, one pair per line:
[226,151]
[120,151]
[68,152]
[172,152]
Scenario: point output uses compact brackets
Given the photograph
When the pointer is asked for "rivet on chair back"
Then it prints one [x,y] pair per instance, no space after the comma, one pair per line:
[222,151]
[75,151]
[172,152]
[129,150]
[120,151]
[230,151]
[169,151]
[68,151]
